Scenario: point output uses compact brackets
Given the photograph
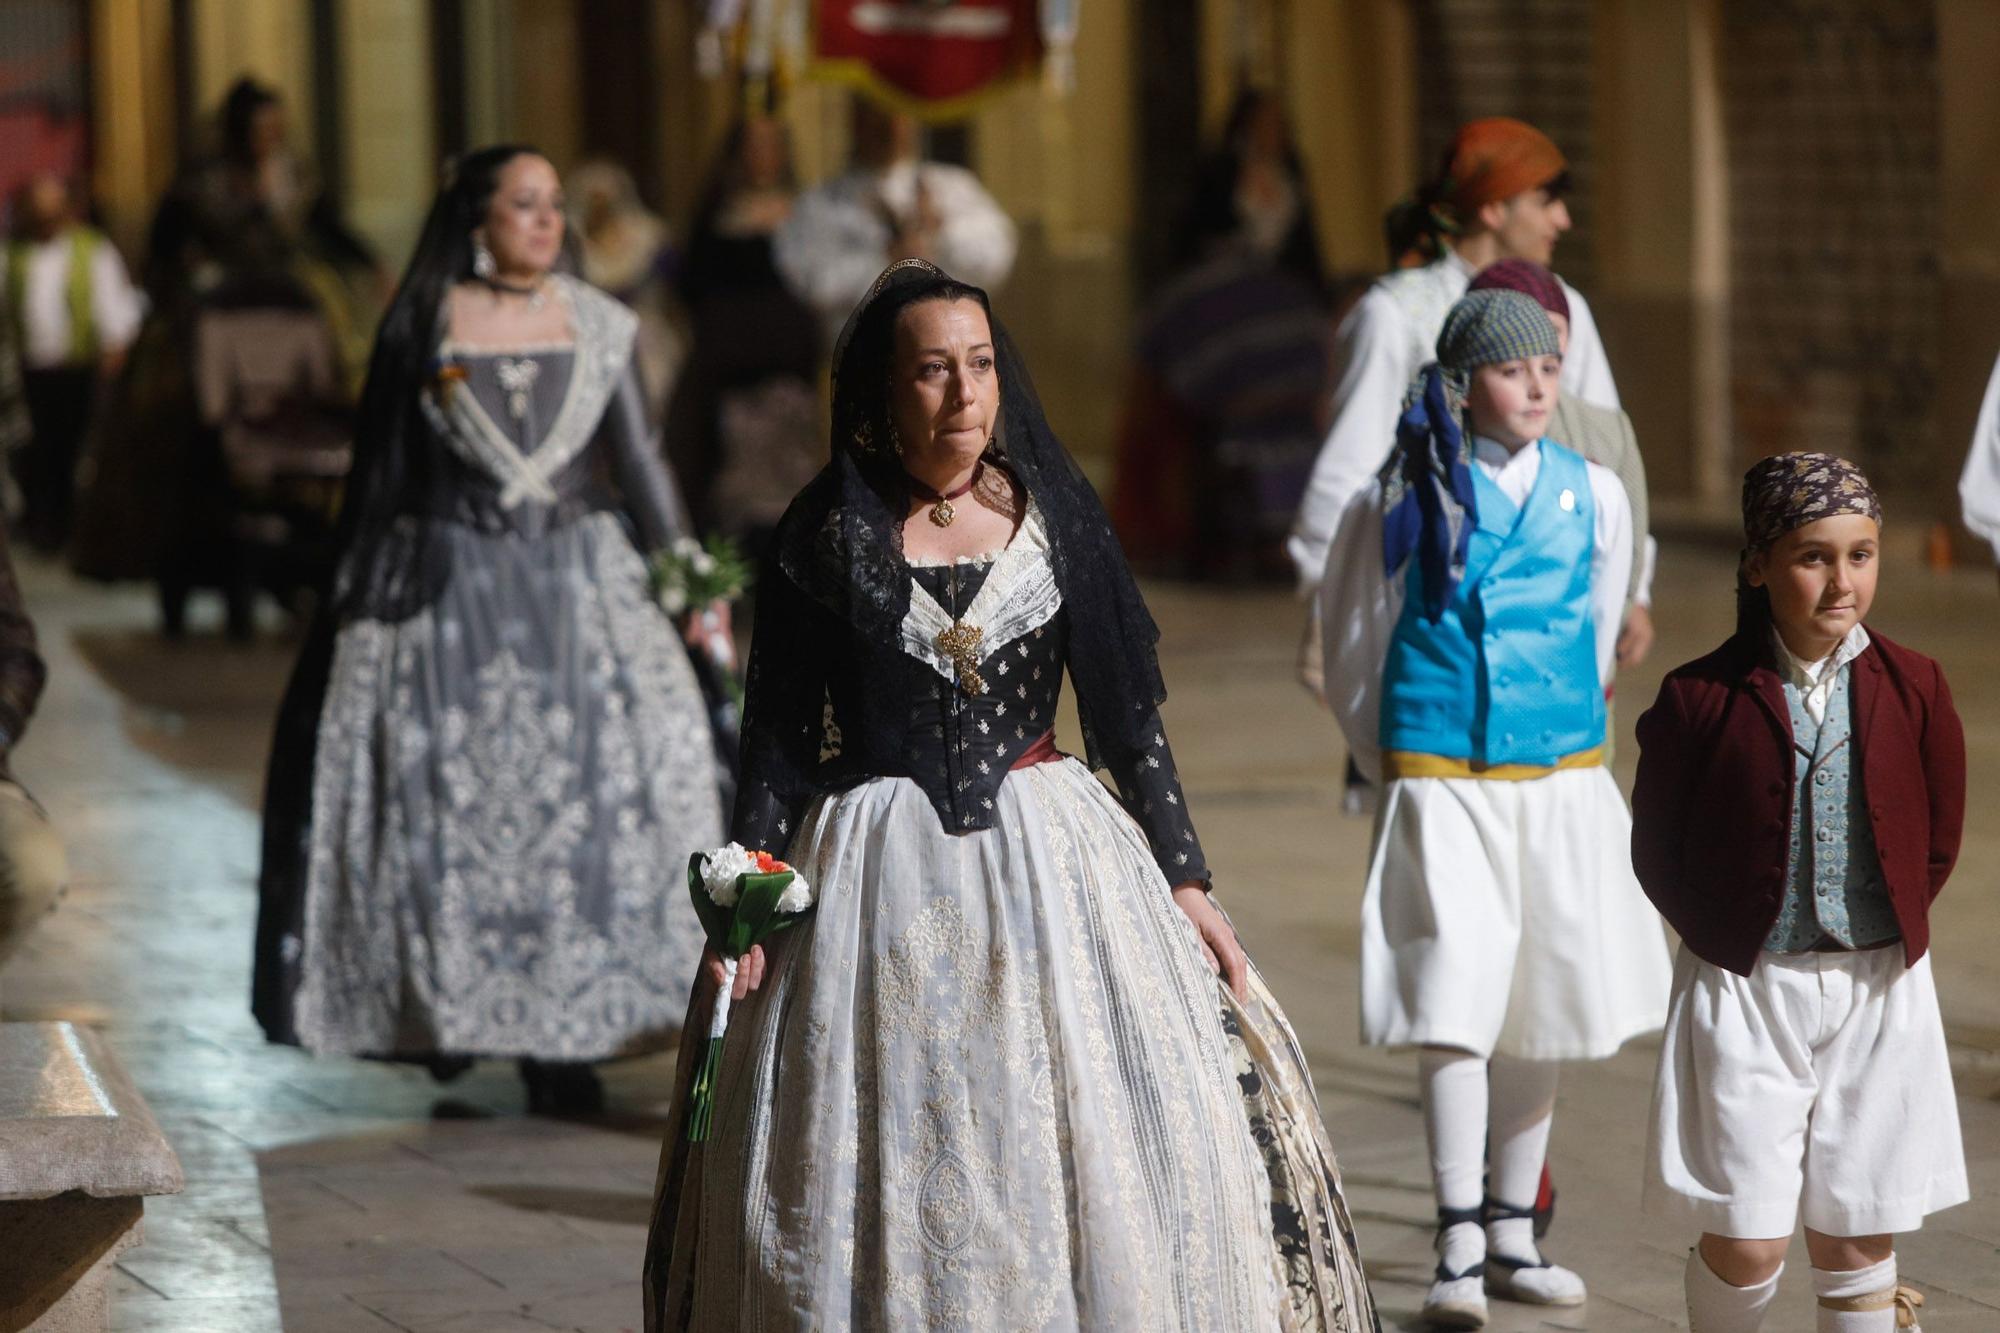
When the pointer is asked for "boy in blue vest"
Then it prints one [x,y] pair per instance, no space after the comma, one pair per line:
[1471,607]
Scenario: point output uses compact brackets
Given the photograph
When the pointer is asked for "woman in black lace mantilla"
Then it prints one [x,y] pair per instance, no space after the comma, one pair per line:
[1015,1071]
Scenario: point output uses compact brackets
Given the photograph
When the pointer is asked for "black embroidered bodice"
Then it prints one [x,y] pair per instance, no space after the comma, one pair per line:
[982,652]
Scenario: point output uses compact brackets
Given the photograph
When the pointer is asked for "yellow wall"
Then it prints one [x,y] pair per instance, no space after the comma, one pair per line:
[132,92]
[547,107]
[1350,87]
[391,156]
[1065,162]
[1662,290]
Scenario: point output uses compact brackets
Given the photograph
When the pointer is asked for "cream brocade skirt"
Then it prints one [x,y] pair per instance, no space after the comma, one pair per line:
[992,1084]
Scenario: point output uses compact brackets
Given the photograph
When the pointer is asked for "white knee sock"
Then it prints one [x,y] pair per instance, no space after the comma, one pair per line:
[1714,1306]
[1454,1095]
[1522,1108]
[1872,1286]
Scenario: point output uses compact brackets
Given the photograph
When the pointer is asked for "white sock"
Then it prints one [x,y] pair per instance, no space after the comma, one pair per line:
[1522,1101]
[1714,1306]
[1876,1280]
[1454,1096]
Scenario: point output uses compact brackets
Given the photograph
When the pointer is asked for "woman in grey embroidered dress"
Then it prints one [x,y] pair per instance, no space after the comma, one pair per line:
[494,757]
[989,1083]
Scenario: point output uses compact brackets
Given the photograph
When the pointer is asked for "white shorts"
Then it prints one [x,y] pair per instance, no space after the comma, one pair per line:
[1503,918]
[1818,1083]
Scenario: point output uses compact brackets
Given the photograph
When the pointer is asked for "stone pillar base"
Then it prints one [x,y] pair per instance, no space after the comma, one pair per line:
[59,1257]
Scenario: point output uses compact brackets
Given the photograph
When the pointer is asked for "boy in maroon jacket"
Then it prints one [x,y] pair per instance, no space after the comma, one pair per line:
[1800,797]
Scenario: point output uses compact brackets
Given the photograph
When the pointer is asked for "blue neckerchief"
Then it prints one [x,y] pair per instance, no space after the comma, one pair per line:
[1428,506]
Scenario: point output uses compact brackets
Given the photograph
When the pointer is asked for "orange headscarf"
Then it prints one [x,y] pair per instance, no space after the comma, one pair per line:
[1487,161]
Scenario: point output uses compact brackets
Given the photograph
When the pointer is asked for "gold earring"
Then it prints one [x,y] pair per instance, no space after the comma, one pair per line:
[895,440]
[864,438]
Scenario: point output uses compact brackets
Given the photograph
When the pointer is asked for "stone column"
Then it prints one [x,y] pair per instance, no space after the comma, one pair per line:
[1662,196]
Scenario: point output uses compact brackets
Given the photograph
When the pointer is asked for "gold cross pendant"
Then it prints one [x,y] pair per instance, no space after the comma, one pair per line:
[960,643]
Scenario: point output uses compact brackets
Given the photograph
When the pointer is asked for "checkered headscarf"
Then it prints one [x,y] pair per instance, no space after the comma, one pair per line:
[1495,324]
[1788,491]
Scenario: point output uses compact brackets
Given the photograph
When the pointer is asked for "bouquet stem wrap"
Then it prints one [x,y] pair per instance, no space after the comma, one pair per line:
[701,1098]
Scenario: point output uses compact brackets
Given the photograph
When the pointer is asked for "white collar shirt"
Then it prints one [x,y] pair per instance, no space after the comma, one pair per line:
[1815,680]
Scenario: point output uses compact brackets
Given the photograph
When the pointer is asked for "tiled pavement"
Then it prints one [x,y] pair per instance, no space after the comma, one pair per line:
[325,1192]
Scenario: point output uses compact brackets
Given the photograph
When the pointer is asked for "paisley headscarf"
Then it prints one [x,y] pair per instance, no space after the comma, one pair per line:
[1788,491]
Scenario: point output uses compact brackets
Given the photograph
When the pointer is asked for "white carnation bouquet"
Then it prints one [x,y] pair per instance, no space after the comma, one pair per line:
[742,898]
[690,579]
[690,575]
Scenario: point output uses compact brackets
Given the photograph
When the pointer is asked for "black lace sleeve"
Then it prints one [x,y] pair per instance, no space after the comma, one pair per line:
[1150,788]
[783,712]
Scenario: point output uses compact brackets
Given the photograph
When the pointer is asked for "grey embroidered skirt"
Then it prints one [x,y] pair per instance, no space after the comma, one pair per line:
[506,790]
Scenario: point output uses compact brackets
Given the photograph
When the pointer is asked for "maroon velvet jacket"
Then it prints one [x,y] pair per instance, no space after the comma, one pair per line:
[1711,812]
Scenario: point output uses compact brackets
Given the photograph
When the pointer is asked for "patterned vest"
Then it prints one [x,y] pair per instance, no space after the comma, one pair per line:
[1508,675]
[1833,878]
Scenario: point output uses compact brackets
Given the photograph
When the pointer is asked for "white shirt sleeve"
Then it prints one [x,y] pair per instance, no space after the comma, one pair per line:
[831,248]
[1649,560]
[1586,370]
[1610,562]
[1979,484]
[976,239]
[1372,372]
[1359,604]
[115,304]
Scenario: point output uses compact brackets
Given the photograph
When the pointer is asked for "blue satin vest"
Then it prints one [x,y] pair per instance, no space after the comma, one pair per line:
[1508,675]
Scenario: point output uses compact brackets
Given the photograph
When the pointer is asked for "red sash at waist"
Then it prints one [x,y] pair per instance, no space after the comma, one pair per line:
[1043,751]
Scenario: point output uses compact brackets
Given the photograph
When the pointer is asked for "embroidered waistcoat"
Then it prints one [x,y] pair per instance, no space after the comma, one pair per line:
[1508,674]
[1833,876]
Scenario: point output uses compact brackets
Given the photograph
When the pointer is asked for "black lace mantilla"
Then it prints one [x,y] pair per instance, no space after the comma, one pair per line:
[958,747]
[833,697]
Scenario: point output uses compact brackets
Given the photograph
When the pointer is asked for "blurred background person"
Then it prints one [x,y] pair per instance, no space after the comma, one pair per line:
[1979,482]
[1251,195]
[240,231]
[75,313]
[743,433]
[628,251]
[255,193]
[274,411]
[890,204]
[493,755]
[1227,403]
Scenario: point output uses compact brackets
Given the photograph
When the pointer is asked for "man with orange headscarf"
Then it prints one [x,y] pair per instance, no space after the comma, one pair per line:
[1498,195]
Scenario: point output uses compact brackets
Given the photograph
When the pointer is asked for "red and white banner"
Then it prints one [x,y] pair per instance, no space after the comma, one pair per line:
[933,56]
